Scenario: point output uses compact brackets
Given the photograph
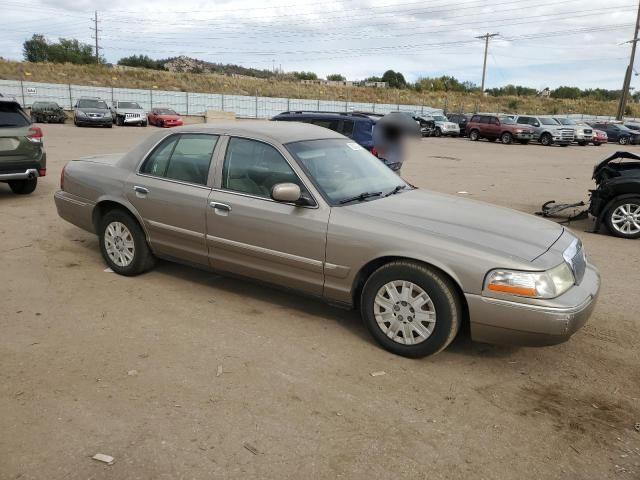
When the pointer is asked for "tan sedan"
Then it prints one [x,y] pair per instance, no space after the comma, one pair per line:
[307,209]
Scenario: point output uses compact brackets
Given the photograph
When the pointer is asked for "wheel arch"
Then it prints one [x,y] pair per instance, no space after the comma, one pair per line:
[613,199]
[106,205]
[367,270]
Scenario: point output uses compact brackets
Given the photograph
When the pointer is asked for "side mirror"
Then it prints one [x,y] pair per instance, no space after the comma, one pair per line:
[498,122]
[286,192]
[536,124]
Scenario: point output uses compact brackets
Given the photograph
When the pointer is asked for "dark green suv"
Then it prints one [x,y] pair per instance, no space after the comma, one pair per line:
[47,112]
[22,155]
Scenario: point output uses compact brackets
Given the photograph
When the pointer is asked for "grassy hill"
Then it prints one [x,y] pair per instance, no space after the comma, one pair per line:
[101,75]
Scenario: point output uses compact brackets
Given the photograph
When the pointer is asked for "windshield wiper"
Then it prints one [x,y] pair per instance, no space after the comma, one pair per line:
[397,189]
[362,197]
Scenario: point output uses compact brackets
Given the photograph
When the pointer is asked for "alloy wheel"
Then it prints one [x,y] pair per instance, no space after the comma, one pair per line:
[119,244]
[404,312]
[626,219]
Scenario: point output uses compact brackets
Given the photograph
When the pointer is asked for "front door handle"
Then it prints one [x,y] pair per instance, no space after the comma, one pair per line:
[220,206]
[140,190]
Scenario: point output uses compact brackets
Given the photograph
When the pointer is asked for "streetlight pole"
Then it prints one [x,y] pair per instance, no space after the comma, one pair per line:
[486,38]
[627,78]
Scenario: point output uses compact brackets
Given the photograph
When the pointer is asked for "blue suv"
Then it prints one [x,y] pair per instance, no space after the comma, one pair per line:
[355,125]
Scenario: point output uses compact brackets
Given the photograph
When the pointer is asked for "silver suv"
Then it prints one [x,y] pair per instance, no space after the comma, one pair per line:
[547,131]
[129,113]
[584,132]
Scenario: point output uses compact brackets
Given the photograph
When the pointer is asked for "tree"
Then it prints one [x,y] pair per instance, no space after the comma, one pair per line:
[336,77]
[394,79]
[36,49]
[567,92]
[141,61]
[305,75]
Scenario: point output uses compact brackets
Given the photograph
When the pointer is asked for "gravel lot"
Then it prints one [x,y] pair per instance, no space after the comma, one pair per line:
[182,373]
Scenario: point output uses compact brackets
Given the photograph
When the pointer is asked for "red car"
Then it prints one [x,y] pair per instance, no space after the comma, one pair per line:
[164,117]
[599,137]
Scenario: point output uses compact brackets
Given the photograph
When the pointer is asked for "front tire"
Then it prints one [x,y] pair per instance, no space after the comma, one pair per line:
[623,218]
[23,187]
[438,132]
[597,144]
[123,244]
[546,139]
[506,138]
[474,135]
[623,140]
[411,309]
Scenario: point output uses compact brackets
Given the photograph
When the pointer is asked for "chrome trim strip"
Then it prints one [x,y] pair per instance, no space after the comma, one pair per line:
[28,173]
[170,180]
[64,196]
[267,254]
[174,229]
[539,308]
[267,199]
[336,271]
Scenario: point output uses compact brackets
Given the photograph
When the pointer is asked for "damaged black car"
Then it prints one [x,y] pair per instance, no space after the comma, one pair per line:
[616,200]
[47,112]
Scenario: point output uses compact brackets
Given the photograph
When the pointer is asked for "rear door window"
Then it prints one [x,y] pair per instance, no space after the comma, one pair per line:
[186,158]
[330,124]
[12,116]
[347,128]
[484,119]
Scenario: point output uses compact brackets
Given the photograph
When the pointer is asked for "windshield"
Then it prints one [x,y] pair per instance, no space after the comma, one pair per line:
[548,121]
[132,105]
[440,118]
[165,111]
[342,169]
[84,103]
[45,105]
[507,121]
[565,121]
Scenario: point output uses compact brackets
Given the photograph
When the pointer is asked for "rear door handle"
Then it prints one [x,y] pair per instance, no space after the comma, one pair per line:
[140,190]
[220,206]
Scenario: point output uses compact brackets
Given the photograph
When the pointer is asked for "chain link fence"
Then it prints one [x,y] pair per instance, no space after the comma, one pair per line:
[188,103]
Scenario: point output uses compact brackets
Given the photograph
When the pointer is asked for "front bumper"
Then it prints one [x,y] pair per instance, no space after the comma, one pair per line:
[450,132]
[584,137]
[523,136]
[94,120]
[127,120]
[510,322]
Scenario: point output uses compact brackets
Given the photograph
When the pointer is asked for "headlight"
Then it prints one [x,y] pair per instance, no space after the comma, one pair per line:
[80,113]
[549,284]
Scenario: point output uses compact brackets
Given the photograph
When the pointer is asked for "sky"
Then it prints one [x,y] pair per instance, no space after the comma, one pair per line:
[541,43]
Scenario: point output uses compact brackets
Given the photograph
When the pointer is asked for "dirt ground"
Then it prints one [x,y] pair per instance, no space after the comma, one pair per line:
[184,374]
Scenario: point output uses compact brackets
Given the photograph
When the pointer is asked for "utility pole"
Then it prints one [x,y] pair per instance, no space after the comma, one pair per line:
[627,78]
[95,34]
[486,38]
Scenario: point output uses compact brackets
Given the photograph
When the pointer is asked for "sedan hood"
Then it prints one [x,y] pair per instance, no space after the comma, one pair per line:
[170,117]
[95,110]
[468,221]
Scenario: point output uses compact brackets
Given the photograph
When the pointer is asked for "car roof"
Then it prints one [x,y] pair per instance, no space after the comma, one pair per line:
[278,132]
[321,114]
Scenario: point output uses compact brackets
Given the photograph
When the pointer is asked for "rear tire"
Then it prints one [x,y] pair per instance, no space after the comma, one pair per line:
[597,144]
[406,299]
[23,187]
[123,244]
[582,144]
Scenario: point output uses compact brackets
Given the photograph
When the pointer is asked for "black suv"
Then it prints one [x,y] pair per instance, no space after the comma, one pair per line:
[618,133]
[355,125]
[461,119]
